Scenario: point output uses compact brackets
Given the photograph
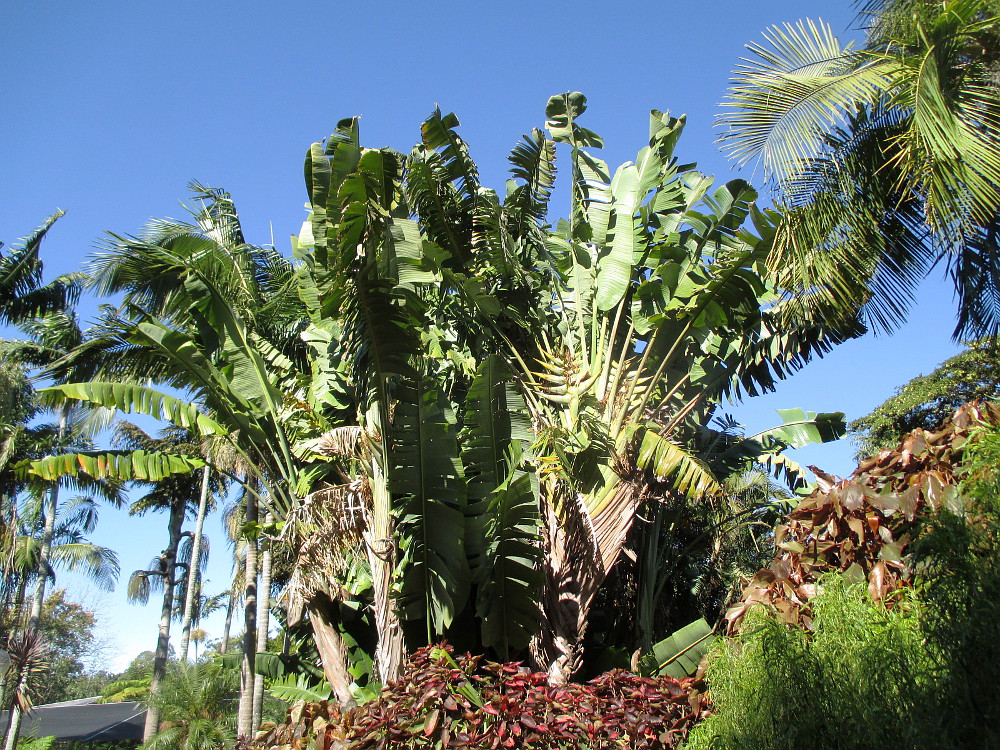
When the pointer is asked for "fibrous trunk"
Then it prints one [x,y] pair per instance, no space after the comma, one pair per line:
[572,576]
[390,651]
[324,620]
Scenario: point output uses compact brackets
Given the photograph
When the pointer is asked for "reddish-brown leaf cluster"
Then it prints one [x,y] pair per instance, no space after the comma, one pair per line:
[864,525]
[468,702]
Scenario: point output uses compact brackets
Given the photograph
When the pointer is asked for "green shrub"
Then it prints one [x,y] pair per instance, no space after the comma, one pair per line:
[39,743]
[920,673]
[958,562]
[197,708]
[857,681]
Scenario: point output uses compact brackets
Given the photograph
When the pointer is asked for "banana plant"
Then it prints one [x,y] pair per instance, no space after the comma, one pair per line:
[570,359]
[655,309]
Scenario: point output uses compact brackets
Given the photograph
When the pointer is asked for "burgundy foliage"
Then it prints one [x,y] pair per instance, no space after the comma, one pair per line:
[468,702]
[864,525]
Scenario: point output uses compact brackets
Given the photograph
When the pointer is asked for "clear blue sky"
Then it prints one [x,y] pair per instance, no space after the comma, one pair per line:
[111,107]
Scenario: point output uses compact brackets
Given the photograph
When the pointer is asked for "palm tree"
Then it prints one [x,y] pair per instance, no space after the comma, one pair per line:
[886,156]
[23,296]
[38,546]
[176,494]
[196,705]
[69,550]
[192,584]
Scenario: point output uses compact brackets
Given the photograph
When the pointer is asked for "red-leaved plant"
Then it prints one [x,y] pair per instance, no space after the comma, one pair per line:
[444,701]
[864,525]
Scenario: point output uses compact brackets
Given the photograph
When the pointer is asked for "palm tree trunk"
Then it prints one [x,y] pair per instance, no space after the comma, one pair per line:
[229,623]
[572,577]
[193,574]
[13,726]
[244,721]
[234,586]
[51,504]
[332,649]
[17,606]
[42,572]
[263,619]
[166,611]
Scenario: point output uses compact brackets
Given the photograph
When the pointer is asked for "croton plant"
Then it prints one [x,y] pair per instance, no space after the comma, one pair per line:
[444,701]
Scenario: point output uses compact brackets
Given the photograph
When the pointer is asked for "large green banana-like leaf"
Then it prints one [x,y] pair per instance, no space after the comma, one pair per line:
[561,112]
[326,169]
[407,248]
[121,465]
[595,199]
[533,160]
[615,264]
[495,432]
[425,478]
[457,167]
[510,577]
[654,161]
[187,362]
[380,335]
[327,386]
[137,399]
[688,475]
[495,415]
[801,428]
[681,652]
[437,204]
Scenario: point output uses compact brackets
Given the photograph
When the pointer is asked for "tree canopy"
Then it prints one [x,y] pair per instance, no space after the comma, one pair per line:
[926,401]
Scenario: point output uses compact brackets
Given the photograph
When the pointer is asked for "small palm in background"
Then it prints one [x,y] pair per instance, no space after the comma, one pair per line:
[197,708]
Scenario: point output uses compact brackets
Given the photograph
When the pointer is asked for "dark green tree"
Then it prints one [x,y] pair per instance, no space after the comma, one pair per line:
[928,400]
[68,630]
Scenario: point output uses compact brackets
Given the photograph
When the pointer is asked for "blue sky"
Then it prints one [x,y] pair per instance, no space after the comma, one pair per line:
[111,108]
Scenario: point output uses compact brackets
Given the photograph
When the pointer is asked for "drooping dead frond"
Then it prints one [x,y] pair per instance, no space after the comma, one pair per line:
[327,532]
[349,442]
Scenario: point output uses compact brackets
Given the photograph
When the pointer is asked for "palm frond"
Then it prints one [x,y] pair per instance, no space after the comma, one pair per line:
[99,564]
[797,84]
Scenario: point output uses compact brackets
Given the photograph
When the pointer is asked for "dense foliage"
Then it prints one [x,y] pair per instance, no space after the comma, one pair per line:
[197,707]
[853,681]
[885,155]
[68,630]
[454,413]
[866,525]
[449,417]
[897,646]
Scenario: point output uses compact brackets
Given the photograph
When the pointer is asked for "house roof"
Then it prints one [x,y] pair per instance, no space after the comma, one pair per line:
[95,722]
